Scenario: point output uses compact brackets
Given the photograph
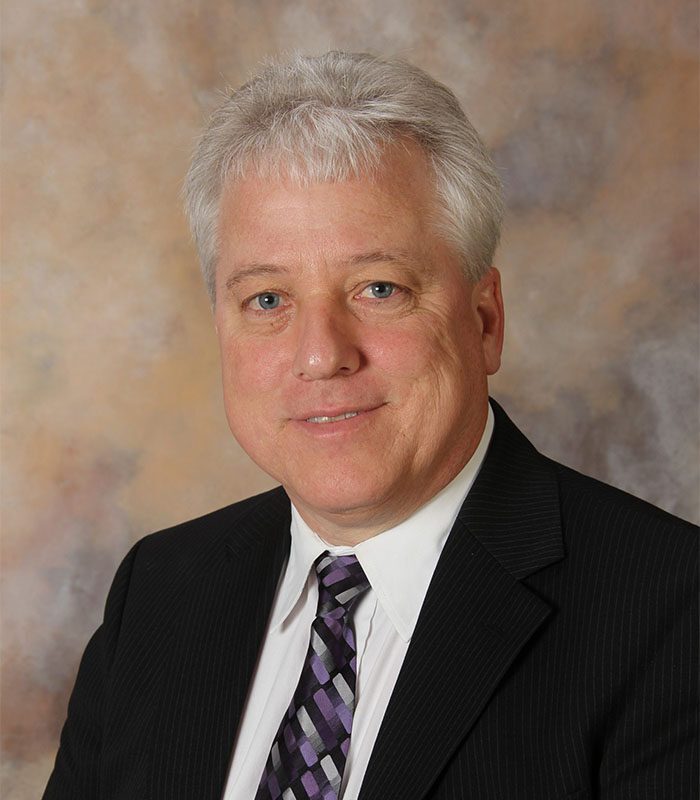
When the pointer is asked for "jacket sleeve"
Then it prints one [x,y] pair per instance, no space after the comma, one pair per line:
[651,752]
[76,772]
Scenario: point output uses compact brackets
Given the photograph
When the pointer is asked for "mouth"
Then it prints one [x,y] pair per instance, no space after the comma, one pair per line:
[323,420]
[334,418]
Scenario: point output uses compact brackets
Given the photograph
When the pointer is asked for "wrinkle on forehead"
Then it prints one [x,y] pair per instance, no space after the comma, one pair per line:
[384,218]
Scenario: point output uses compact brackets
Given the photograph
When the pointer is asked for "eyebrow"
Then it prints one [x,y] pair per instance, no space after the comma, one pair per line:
[255,270]
[405,261]
[252,271]
[396,256]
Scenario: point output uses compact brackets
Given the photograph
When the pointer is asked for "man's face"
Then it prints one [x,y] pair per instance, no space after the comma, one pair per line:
[354,351]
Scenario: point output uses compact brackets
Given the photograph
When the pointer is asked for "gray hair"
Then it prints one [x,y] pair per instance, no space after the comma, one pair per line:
[328,118]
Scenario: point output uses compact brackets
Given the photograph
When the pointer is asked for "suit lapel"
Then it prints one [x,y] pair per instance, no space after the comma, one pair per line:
[476,618]
[220,633]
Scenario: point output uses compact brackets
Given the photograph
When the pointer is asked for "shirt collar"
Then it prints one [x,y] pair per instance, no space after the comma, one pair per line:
[399,562]
[306,547]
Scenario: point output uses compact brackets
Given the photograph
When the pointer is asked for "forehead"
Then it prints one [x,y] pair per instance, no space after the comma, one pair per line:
[395,200]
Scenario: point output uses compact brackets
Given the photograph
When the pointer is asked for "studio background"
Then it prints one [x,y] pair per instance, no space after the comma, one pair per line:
[112,414]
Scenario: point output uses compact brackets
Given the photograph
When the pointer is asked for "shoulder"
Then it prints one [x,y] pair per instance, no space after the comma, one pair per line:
[191,547]
[211,529]
[590,501]
[162,566]
[607,531]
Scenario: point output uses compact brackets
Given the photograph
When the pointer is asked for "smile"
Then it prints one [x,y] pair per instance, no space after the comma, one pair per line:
[322,420]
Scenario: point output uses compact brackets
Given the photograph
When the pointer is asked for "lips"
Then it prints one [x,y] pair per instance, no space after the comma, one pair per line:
[323,416]
[320,420]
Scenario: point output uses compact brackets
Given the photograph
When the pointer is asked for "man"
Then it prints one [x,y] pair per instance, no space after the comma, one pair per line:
[427,607]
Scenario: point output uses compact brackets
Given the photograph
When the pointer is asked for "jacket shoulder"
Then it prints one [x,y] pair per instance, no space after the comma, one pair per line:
[182,542]
[161,567]
[184,546]
[605,512]
[604,497]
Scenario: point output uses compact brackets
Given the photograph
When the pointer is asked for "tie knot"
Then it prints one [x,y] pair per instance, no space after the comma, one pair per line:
[341,580]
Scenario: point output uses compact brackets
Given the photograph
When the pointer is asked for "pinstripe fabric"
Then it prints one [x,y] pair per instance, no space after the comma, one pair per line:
[171,663]
[602,701]
[558,639]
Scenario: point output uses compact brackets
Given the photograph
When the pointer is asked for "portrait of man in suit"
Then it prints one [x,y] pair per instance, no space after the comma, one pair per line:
[426,607]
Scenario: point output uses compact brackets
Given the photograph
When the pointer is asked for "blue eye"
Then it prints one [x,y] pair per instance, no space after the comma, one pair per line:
[381,290]
[268,300]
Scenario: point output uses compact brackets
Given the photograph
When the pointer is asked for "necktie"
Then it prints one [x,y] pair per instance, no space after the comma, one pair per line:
[308,755]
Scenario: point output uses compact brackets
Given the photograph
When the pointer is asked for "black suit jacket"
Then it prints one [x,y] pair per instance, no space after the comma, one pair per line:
[555,655]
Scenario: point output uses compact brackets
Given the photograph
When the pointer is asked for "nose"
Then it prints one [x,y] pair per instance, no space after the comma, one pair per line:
[326,345]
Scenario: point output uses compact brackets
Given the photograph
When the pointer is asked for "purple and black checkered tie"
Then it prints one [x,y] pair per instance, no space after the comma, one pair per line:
[308,756]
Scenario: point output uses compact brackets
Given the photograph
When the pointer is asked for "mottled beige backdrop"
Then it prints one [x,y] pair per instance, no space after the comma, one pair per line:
[113,424]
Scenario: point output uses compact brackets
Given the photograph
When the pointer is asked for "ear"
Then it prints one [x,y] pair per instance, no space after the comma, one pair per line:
[487,302]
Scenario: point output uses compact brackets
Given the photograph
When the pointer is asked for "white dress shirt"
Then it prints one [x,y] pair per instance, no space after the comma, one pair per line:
[399,564]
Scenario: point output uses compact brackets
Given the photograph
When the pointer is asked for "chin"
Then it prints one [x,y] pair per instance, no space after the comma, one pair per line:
[339,497]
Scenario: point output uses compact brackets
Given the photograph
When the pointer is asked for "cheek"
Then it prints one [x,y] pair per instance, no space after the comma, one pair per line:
[432,351]
[250,383]
[250,368]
